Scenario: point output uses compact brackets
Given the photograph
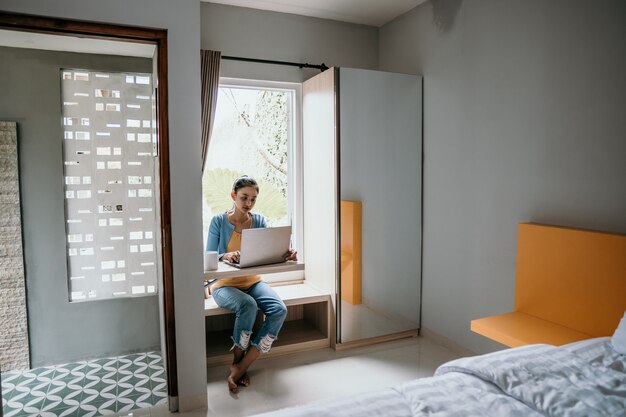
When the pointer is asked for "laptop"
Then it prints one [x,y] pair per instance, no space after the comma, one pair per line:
[263,246]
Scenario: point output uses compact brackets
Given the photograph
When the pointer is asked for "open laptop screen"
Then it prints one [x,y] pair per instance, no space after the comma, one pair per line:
[263,246]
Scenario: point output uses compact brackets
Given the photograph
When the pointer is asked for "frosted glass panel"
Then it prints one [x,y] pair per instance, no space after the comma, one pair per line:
[109,195]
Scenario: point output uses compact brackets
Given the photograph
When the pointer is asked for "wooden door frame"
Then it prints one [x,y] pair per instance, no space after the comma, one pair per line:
[157,37]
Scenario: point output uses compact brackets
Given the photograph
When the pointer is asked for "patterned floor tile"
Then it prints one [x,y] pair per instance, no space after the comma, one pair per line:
[160,392]
[128,386]
[77,368]
[97,407]
[42,371]
[87,388]
[62,396]
[74,366]
[101,366]
[159,397]
[104,362]
[157,378]
[135,358]
[74,381]
[59,411]
[66,371]
[129,404]
[133,369]
[89,395]
[39,375]
[154,360]
[30,392]
[9,382]
[8,411]
[24,406]
[109,376]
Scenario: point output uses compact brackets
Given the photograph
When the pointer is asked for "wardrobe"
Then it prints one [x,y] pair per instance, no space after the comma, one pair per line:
[362,160]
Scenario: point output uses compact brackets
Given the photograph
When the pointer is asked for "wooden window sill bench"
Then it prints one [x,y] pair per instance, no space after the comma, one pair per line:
[292,294]
[307,326]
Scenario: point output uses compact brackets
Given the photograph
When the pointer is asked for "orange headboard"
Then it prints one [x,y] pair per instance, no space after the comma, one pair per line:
[572,277]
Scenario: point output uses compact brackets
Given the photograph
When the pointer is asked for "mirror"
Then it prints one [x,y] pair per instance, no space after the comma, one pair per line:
[380,148]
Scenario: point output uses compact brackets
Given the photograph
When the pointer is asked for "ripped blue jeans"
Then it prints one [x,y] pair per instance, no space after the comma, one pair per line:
[245,303]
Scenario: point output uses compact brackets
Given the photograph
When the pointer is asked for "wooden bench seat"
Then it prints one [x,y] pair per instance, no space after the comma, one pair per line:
[308,324]
[570,285]
[295,294]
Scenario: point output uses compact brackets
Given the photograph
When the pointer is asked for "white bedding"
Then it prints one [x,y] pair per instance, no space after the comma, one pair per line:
[582,379]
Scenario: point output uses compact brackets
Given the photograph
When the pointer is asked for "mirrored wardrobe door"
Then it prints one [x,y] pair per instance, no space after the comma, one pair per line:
[380,147]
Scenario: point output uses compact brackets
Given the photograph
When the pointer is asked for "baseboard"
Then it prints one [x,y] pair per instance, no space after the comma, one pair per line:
[198,402]
[375,340]
[447,343]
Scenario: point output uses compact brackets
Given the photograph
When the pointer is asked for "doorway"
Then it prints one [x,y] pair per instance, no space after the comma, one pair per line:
[112,363]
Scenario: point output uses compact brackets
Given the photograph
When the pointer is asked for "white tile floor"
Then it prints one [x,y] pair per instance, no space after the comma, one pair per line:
[324,374]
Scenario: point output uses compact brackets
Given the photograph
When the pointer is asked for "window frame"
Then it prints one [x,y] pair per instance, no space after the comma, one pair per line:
[294,154]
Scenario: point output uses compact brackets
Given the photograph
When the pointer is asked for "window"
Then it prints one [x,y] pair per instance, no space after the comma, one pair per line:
[256,132]
[109,170]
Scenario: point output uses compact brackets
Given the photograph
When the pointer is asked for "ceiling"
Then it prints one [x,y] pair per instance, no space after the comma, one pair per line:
[366,12]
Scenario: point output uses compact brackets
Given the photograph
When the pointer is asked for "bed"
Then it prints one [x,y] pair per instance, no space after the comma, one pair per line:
[571,287]
[586,378]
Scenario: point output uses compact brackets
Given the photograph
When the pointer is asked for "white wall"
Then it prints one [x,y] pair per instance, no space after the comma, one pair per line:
[249,33]
[524,120]
[182,20]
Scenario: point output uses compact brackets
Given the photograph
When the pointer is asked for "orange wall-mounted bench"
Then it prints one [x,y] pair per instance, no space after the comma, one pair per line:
[570,286]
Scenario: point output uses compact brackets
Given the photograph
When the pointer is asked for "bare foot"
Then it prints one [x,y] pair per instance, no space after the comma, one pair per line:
[235,375]
[244,380]
[239,354]
[238,370]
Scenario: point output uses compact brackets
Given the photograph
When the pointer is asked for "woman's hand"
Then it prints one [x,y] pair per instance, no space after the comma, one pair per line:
[291,255]
[231,256]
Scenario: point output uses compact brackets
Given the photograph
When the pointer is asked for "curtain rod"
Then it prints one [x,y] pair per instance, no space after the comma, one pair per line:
[322,67]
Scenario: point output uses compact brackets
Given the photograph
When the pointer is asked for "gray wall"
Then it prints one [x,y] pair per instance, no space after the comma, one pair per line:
[250,33]
[181,18]
[61,331]
[523,121]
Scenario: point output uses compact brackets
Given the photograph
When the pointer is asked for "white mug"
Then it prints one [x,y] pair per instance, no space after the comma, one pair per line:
[210,260]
